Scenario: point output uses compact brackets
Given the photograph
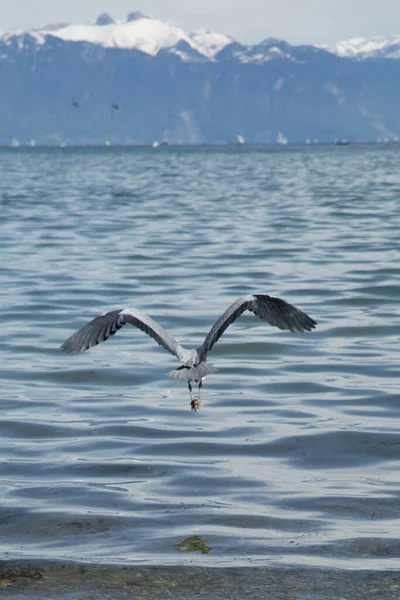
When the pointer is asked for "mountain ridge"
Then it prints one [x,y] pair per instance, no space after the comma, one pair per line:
[150,35]
[189,88]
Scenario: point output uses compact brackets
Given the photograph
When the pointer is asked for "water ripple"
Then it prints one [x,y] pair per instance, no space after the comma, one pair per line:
[294,455]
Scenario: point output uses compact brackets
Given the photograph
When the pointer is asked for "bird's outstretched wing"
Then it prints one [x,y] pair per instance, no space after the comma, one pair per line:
[275,311]
[105,325]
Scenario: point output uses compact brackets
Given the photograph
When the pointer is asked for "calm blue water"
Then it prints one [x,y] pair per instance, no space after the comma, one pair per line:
[294,455]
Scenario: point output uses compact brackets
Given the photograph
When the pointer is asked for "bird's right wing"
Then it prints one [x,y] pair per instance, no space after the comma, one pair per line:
[102,327]
[275,311]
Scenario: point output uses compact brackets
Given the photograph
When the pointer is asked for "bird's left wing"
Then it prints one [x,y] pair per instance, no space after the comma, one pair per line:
[275,311]
[102,327]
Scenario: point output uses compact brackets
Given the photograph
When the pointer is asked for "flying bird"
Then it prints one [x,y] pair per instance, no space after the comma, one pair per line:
[75,103]
[194,365]
[115,106]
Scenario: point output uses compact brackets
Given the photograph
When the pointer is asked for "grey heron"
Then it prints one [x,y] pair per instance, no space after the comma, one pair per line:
[194,365]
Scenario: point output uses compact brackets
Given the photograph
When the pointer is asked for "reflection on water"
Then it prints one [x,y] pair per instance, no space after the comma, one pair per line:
[294,455]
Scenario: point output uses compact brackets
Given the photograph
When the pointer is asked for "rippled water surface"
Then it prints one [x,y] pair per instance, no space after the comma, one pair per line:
[294,455]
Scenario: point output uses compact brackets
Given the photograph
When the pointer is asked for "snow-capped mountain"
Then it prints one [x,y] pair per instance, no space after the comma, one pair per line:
[364,48]
[208,42]
[150,35]
[140,32]
[269,49]
[62,83]
[22,39]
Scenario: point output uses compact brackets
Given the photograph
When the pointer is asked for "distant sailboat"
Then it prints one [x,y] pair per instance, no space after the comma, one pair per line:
[15,143]
[32,143]
[163,142]
[239,140]
[281,139]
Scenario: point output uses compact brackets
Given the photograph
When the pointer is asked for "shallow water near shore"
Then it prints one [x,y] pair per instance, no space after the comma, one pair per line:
[293,458]
[67,581]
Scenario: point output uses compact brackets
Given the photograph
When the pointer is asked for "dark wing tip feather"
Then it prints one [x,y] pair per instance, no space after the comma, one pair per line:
[91,334]
[281,314]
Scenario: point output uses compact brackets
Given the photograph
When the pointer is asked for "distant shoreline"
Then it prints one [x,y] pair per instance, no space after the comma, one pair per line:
[177,146]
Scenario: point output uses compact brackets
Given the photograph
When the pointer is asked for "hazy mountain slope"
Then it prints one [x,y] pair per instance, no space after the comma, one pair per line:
[203,88]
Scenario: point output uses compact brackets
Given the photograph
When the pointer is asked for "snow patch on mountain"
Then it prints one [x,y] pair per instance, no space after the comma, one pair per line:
[269,49]
[142,33]
[23,39]
[361,48]
[147,35]
[209,42]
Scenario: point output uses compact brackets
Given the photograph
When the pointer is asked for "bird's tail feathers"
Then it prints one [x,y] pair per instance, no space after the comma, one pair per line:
[193,373]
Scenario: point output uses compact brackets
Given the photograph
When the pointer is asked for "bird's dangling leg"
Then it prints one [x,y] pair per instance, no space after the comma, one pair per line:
[194,402]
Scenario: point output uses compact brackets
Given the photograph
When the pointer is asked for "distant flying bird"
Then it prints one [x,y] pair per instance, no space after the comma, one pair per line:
[115,106]
[194,365]
[76,104]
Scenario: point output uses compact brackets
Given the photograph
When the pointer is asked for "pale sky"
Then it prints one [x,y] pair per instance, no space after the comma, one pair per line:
[248,21]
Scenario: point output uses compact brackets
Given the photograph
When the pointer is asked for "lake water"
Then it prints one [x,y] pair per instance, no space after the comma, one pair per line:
[294,456]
